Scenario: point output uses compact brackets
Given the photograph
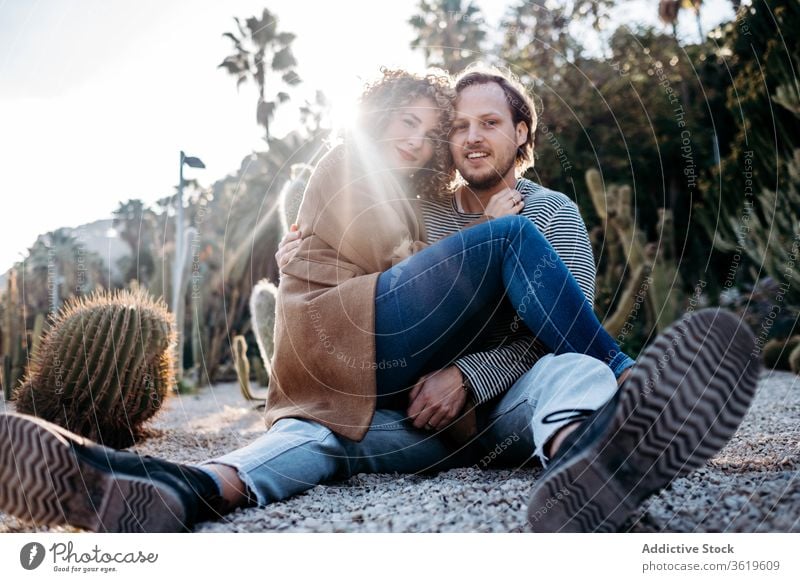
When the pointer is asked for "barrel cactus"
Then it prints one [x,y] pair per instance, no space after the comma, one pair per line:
[104,367]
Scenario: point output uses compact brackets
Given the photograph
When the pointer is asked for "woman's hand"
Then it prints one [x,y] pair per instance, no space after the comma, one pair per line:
[288,246]
[504,203]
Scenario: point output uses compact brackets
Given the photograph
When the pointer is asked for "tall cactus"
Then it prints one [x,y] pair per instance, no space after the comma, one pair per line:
[262,312]
[653,271]
[623,241]
[104,367]
[180,303]
[13,331]
[242,365]
[38,331]
[666,289]
[200,340]
[292,194]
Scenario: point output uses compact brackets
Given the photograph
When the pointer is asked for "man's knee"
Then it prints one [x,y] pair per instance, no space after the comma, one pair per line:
[573,366]
[556,373]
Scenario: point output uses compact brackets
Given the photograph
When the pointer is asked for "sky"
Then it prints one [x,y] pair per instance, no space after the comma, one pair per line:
[98,97]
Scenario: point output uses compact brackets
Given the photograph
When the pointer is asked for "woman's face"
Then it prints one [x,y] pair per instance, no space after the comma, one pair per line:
[408,141]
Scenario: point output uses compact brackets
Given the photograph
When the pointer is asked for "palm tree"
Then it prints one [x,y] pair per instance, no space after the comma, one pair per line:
[314,114]
[542,54]
[668,11]
[595,11]
[258,49]
[52,266]
[448,33]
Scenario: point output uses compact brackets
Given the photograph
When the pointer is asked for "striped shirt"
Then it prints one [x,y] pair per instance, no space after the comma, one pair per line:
[509,349]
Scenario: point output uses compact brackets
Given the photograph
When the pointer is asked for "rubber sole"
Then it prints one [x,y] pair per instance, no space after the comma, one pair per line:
[684,399]
[44,481]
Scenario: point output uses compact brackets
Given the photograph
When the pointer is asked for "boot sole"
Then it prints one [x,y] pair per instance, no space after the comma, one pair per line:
[684,399]
[42,480]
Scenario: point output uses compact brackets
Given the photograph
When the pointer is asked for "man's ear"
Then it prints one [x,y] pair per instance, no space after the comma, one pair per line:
[522,133]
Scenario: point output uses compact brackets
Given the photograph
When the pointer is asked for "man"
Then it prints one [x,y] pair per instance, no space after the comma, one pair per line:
[610,448]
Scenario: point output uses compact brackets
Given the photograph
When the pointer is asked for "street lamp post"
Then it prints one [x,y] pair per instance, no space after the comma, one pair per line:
[179,263]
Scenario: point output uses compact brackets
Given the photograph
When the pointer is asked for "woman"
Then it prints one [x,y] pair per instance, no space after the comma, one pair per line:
[334,352]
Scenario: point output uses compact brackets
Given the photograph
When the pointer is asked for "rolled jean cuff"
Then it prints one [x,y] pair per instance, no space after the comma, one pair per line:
[620,363]
[255,498]
[211,473]
[545,434]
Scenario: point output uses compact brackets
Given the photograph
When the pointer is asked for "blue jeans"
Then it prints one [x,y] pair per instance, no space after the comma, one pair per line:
[297,454]
[429,306]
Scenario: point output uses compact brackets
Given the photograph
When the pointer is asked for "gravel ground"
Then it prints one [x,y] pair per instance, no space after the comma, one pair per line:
[753,485]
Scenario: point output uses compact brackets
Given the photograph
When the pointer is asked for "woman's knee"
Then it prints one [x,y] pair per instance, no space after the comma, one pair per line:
[512,223]
[516,227]
[519,230]
[303,428]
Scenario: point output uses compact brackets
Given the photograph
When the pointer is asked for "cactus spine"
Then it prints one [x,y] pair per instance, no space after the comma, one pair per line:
[104,367]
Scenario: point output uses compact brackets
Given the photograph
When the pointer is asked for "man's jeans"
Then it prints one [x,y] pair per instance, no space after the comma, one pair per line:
[296,454]
[429,306]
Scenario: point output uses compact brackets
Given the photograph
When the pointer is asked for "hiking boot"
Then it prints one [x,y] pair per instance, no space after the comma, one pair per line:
[51,476]
[684,399]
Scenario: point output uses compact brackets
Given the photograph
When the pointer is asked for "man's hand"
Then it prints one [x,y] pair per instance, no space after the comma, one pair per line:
[504,203]
[437,398]
[288,246]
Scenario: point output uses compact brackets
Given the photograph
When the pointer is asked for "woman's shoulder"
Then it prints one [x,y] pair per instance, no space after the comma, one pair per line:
[329,171]
[340,160]
[335,157]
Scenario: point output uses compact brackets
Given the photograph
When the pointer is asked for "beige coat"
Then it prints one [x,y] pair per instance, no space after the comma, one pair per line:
[356,221]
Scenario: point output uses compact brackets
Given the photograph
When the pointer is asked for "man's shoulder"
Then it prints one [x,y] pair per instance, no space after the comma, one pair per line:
[542,204]
[543,195]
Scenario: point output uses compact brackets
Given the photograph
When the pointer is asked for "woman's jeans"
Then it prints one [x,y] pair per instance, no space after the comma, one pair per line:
[429,307]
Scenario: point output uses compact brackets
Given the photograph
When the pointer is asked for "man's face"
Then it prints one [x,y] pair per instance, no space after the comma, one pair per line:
[484,141]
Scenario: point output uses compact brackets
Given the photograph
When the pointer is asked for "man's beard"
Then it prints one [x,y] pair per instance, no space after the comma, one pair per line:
[493,178]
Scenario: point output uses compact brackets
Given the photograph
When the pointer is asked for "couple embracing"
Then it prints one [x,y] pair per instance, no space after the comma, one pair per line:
[434,311]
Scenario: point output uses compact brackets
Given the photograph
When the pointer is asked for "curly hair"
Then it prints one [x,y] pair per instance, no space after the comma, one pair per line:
[397,89]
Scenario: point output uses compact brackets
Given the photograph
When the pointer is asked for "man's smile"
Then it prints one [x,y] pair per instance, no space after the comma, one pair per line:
[476,157]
